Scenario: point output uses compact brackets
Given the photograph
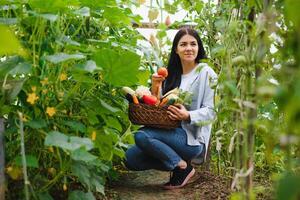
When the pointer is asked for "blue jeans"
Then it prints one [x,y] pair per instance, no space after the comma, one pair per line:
[160,149]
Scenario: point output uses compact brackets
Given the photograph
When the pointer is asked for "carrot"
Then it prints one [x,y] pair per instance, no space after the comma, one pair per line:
[135,99]
[163,102]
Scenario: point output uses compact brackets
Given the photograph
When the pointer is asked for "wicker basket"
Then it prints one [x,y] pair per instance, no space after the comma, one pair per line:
[152,116]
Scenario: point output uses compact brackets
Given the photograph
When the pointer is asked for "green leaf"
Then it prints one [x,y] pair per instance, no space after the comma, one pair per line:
[9,44]
[67,40]
[288,188]
[78,142]
[79,195]
[170,7]
[113,122]
[82,172]
[120,68]
[100,165]
[119,152]
[8,65]
[218,51]
[108,107]
[92,117]
[116,15]
[14,87]
[104,143]
[51,5]
[96,4]
[5,109]
[8,21]
[21,68]
[96,182]
[83,12]
[83,78]
[75,126]
[82,155]
[44,196]
[127,137]
[50,17]
[31,161]
[63,57]
[232,87]
[292,11]
[36,123]
[89,66]
[143,77]
[55,138]
[220,24]
[87,175]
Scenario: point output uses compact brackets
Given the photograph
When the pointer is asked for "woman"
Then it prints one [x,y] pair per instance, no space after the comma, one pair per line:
[173,150]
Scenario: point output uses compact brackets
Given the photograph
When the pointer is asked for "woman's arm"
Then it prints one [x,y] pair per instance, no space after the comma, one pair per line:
[206,113]
[156,85]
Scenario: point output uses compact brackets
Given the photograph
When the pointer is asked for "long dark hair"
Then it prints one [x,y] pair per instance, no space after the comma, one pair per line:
[174,66]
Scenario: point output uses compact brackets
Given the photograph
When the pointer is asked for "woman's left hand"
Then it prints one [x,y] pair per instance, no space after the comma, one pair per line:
[178,112]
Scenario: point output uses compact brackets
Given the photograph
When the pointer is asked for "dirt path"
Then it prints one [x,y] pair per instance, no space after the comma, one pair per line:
[146,185]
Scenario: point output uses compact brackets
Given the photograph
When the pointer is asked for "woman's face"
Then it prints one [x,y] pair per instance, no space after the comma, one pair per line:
[187,49]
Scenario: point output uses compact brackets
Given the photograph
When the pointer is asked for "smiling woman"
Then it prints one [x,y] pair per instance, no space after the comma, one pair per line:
[187,50]
[174,149]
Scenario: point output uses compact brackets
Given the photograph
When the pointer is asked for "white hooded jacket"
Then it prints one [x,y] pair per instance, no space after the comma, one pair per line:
[201,109]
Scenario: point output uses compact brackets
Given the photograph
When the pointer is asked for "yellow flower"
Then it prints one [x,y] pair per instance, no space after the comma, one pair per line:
[24,119]
[60,95]
[44,91]
[65,187]
[9,169]
[44,81]
[114,92]
[14,172]
[94,135]
[33,88]
[31,98]
[50,111]
[51,149]
[52,171]
[62,77]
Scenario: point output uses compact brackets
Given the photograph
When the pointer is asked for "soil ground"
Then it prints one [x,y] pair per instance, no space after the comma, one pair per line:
[147,185]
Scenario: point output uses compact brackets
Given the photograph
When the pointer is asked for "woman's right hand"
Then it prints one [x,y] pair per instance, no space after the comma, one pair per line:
[156,84]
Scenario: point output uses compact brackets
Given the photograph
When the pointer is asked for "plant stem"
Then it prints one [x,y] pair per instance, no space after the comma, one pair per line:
[2,161]
[26,182]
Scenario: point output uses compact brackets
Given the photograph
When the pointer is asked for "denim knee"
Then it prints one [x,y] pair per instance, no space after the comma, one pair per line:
[129,159]
[141,139]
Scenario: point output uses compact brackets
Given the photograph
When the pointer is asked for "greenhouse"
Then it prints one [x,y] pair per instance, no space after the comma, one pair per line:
[149,99]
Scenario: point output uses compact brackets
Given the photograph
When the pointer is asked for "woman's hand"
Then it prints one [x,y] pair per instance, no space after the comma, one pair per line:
[156,84]
[178,112]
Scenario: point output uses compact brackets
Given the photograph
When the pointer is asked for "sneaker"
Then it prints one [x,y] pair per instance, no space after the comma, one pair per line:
[180,177]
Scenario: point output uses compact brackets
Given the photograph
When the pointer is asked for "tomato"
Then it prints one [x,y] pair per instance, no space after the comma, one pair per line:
[162,71]
[150,99]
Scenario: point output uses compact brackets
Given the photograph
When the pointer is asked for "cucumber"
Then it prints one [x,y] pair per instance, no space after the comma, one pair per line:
[128,90]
